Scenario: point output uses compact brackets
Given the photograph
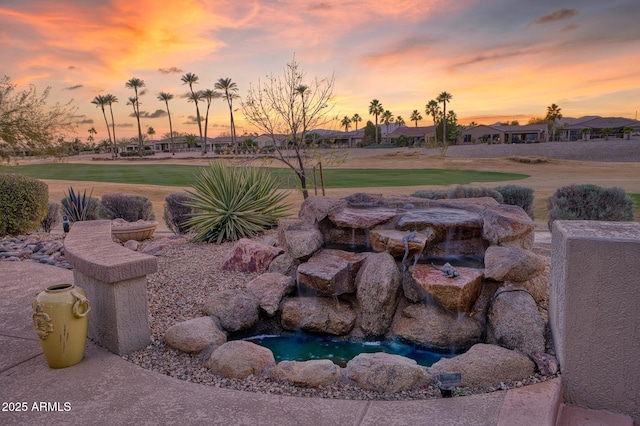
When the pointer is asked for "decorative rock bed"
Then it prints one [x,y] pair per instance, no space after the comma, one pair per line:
[384,294]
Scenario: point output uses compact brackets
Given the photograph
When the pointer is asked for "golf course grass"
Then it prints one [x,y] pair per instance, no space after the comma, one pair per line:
[182,175]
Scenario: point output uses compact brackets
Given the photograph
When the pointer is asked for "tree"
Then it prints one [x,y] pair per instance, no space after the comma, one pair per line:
[208,95]
[151,131]
[606,132]
[400,121]
[280,105]
[229,93]
[166,97]
[387,118]
[371,133]
[553,115]
[101,101]
[375,109]
[191,79]
[472,124]
[92,131]
[196,97]
[111,99]
[356,119]
[444,97]
[415,116]
[346,122]
[135,84]
[433,109]
[27,123]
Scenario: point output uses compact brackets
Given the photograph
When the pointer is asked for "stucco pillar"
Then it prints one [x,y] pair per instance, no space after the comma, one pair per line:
[594,313]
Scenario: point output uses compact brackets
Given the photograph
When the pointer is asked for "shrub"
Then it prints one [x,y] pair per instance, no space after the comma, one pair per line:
[78,208]
[518,196]
[52,218]
[459,192]
[234,202]
[23,203]
[590,202]
[176,212]
[126,206]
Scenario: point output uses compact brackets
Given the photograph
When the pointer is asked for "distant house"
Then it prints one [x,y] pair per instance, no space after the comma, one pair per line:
[265,141]
[505,134]
[592,127]
[415,135]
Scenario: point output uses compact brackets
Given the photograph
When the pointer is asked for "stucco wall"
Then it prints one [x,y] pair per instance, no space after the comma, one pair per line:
[594,313]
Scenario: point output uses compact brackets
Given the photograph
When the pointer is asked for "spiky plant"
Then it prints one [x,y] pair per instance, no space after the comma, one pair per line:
[78,208]
[234,202]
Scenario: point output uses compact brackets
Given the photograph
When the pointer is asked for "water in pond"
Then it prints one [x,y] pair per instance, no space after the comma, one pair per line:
[304,347]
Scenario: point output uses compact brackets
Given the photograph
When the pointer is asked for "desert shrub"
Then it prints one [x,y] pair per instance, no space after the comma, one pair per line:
[23,203]
[431,194]
[518,196]
[176,212]
[127,206]
[590,202]
[234,202]
[459,192]
[52,218]
[78,208]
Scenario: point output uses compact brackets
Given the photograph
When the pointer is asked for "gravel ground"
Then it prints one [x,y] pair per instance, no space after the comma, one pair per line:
[188,275]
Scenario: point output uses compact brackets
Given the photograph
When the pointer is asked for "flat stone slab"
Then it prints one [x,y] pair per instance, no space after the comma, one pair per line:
[456,294]
[362,218]
[391,241]
[331,272]
[467,224]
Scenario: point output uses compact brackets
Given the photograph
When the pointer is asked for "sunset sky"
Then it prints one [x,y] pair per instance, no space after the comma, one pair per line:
[500,59]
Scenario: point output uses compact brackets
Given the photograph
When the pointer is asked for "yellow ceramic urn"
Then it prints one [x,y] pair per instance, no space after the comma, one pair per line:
[60,319]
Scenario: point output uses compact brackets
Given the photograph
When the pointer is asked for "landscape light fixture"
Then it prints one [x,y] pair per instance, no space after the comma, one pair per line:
[448,382]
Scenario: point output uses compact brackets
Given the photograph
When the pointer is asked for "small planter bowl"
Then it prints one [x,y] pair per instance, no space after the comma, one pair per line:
[138,231]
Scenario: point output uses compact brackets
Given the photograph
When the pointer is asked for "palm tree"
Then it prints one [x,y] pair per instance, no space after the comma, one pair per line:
[346,122]
[196,97]
[92,131]
[101,101]
[166,97]
[606,132]
[415,116]
[553,115]
[112,99]
[135,84]
[433,109]
[444,97]
[356,119]
[375,109]
[472,124]
[151,131]
[400,121]
[387,118]
[191,79]
[229,93]
[208,95]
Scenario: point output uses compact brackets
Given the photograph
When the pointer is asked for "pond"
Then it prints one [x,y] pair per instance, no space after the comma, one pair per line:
[305,347]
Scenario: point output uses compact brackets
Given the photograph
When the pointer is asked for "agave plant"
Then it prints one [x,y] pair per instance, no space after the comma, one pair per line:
[233,202]
[78,208]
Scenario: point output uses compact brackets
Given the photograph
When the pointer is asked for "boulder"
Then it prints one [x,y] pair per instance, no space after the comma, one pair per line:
[314,209]
[456,294]
[298,238]
[508,225]
[318,314]
[314,373]
[538,286]
[485,365]
[331,272]
[249,256]
[378,285]
[546,364]
[195,335]
[284,264]
[132,245]
[235,309]
[361,218]
[431,325]
[239,359]
[382,372]
[514,321]
[269,289]
[443,221]
[512,264]
[392,241]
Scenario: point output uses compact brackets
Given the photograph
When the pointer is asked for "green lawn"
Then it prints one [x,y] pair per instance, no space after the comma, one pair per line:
[181,175]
